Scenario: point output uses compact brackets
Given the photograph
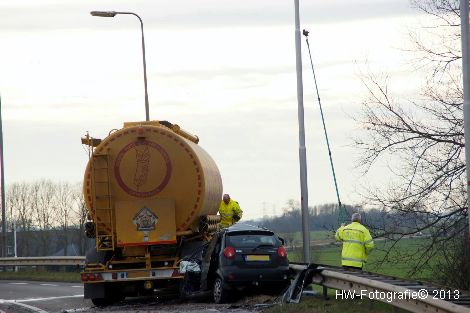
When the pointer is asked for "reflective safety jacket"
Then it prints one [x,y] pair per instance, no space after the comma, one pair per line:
[357,244]
[228,211]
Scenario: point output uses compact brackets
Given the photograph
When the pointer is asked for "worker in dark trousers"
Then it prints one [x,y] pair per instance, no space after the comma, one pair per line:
[357,243]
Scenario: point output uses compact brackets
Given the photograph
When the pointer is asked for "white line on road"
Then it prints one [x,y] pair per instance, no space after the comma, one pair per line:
[30,307]
[52,285]
[33,308]
[17,283]
[42,299]
[76,286]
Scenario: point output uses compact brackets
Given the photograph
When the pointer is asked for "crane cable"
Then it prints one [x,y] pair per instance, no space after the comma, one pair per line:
[342,209]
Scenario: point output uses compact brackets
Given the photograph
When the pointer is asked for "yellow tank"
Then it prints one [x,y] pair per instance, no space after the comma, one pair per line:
[147,184]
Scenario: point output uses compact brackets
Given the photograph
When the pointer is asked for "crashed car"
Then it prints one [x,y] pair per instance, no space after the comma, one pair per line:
[239,258]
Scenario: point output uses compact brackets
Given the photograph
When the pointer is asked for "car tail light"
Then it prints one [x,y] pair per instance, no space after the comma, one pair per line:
[229,253]
[281,251]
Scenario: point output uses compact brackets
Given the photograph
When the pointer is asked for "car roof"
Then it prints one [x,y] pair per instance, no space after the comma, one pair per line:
[247,228]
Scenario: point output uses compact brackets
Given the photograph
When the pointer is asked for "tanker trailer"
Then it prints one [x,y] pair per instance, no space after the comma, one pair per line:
[152,195]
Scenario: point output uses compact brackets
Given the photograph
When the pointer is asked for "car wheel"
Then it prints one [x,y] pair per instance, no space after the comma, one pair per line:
[220,294]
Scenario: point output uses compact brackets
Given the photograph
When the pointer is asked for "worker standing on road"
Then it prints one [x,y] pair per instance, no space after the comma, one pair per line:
[229,211]
[357,243]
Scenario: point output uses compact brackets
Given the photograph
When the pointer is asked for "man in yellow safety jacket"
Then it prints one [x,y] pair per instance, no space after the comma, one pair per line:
[229,211]
[357,243]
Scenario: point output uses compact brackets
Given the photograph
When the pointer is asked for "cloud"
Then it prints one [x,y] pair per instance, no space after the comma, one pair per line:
[166,14]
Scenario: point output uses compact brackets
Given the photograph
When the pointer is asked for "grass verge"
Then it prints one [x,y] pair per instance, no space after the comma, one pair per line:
[319,305]
[377,262]
[72,277]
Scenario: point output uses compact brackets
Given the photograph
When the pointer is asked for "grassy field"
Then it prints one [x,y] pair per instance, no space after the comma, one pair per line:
[331,255]
[314,235]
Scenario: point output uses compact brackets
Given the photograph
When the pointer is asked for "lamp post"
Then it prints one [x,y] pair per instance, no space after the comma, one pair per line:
[113,14]
[465,33]
[2,190]
[302,149]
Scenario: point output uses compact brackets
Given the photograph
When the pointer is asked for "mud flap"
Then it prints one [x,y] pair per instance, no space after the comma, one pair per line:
[93,291]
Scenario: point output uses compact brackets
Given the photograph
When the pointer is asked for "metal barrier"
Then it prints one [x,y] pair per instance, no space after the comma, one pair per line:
[43,261]
[410,295]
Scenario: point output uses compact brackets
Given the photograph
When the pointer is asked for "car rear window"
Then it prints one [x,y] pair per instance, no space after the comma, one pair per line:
[251,240]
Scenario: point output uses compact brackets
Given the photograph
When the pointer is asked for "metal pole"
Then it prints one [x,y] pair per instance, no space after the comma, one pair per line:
[466,91]
[2,187]
[15,251]
[147,114]
[302,150]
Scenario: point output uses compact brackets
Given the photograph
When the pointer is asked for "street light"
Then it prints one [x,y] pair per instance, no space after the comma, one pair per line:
[113,14]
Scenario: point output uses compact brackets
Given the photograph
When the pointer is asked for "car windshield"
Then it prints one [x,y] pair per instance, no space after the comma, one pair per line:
[251,241]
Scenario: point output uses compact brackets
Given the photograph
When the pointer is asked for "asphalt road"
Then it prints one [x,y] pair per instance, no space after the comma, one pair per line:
[40,297]
[54,297]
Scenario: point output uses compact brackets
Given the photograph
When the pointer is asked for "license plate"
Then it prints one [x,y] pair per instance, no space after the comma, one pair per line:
[257,257]
[138,274]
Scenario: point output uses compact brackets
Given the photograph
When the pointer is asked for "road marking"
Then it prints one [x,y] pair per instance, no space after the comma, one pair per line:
[33,308]
[76,286]
[30,307]
[17,283]
[52,285]
[42,299]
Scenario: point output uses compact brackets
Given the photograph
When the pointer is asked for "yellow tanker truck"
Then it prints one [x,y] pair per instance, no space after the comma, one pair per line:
[152,195]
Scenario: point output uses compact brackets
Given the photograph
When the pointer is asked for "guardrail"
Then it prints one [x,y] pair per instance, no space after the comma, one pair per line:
[406,294]
[43,261]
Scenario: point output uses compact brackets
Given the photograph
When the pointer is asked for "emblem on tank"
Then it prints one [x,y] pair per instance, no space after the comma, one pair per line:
[145,220]
[142,169]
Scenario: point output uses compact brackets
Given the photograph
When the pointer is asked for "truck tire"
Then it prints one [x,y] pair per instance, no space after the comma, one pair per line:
[219,293]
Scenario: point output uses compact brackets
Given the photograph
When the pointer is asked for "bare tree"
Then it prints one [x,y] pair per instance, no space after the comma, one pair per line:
[62,209]
[80,217]
[18,202]
[422,142]
[42,197]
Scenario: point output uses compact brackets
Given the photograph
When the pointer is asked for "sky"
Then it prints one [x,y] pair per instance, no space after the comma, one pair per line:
[223,70]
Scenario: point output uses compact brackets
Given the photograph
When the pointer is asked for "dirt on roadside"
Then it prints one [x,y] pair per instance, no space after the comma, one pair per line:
[242,305]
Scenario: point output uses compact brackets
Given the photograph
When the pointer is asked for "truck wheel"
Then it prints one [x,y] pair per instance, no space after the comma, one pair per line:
[219,293]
